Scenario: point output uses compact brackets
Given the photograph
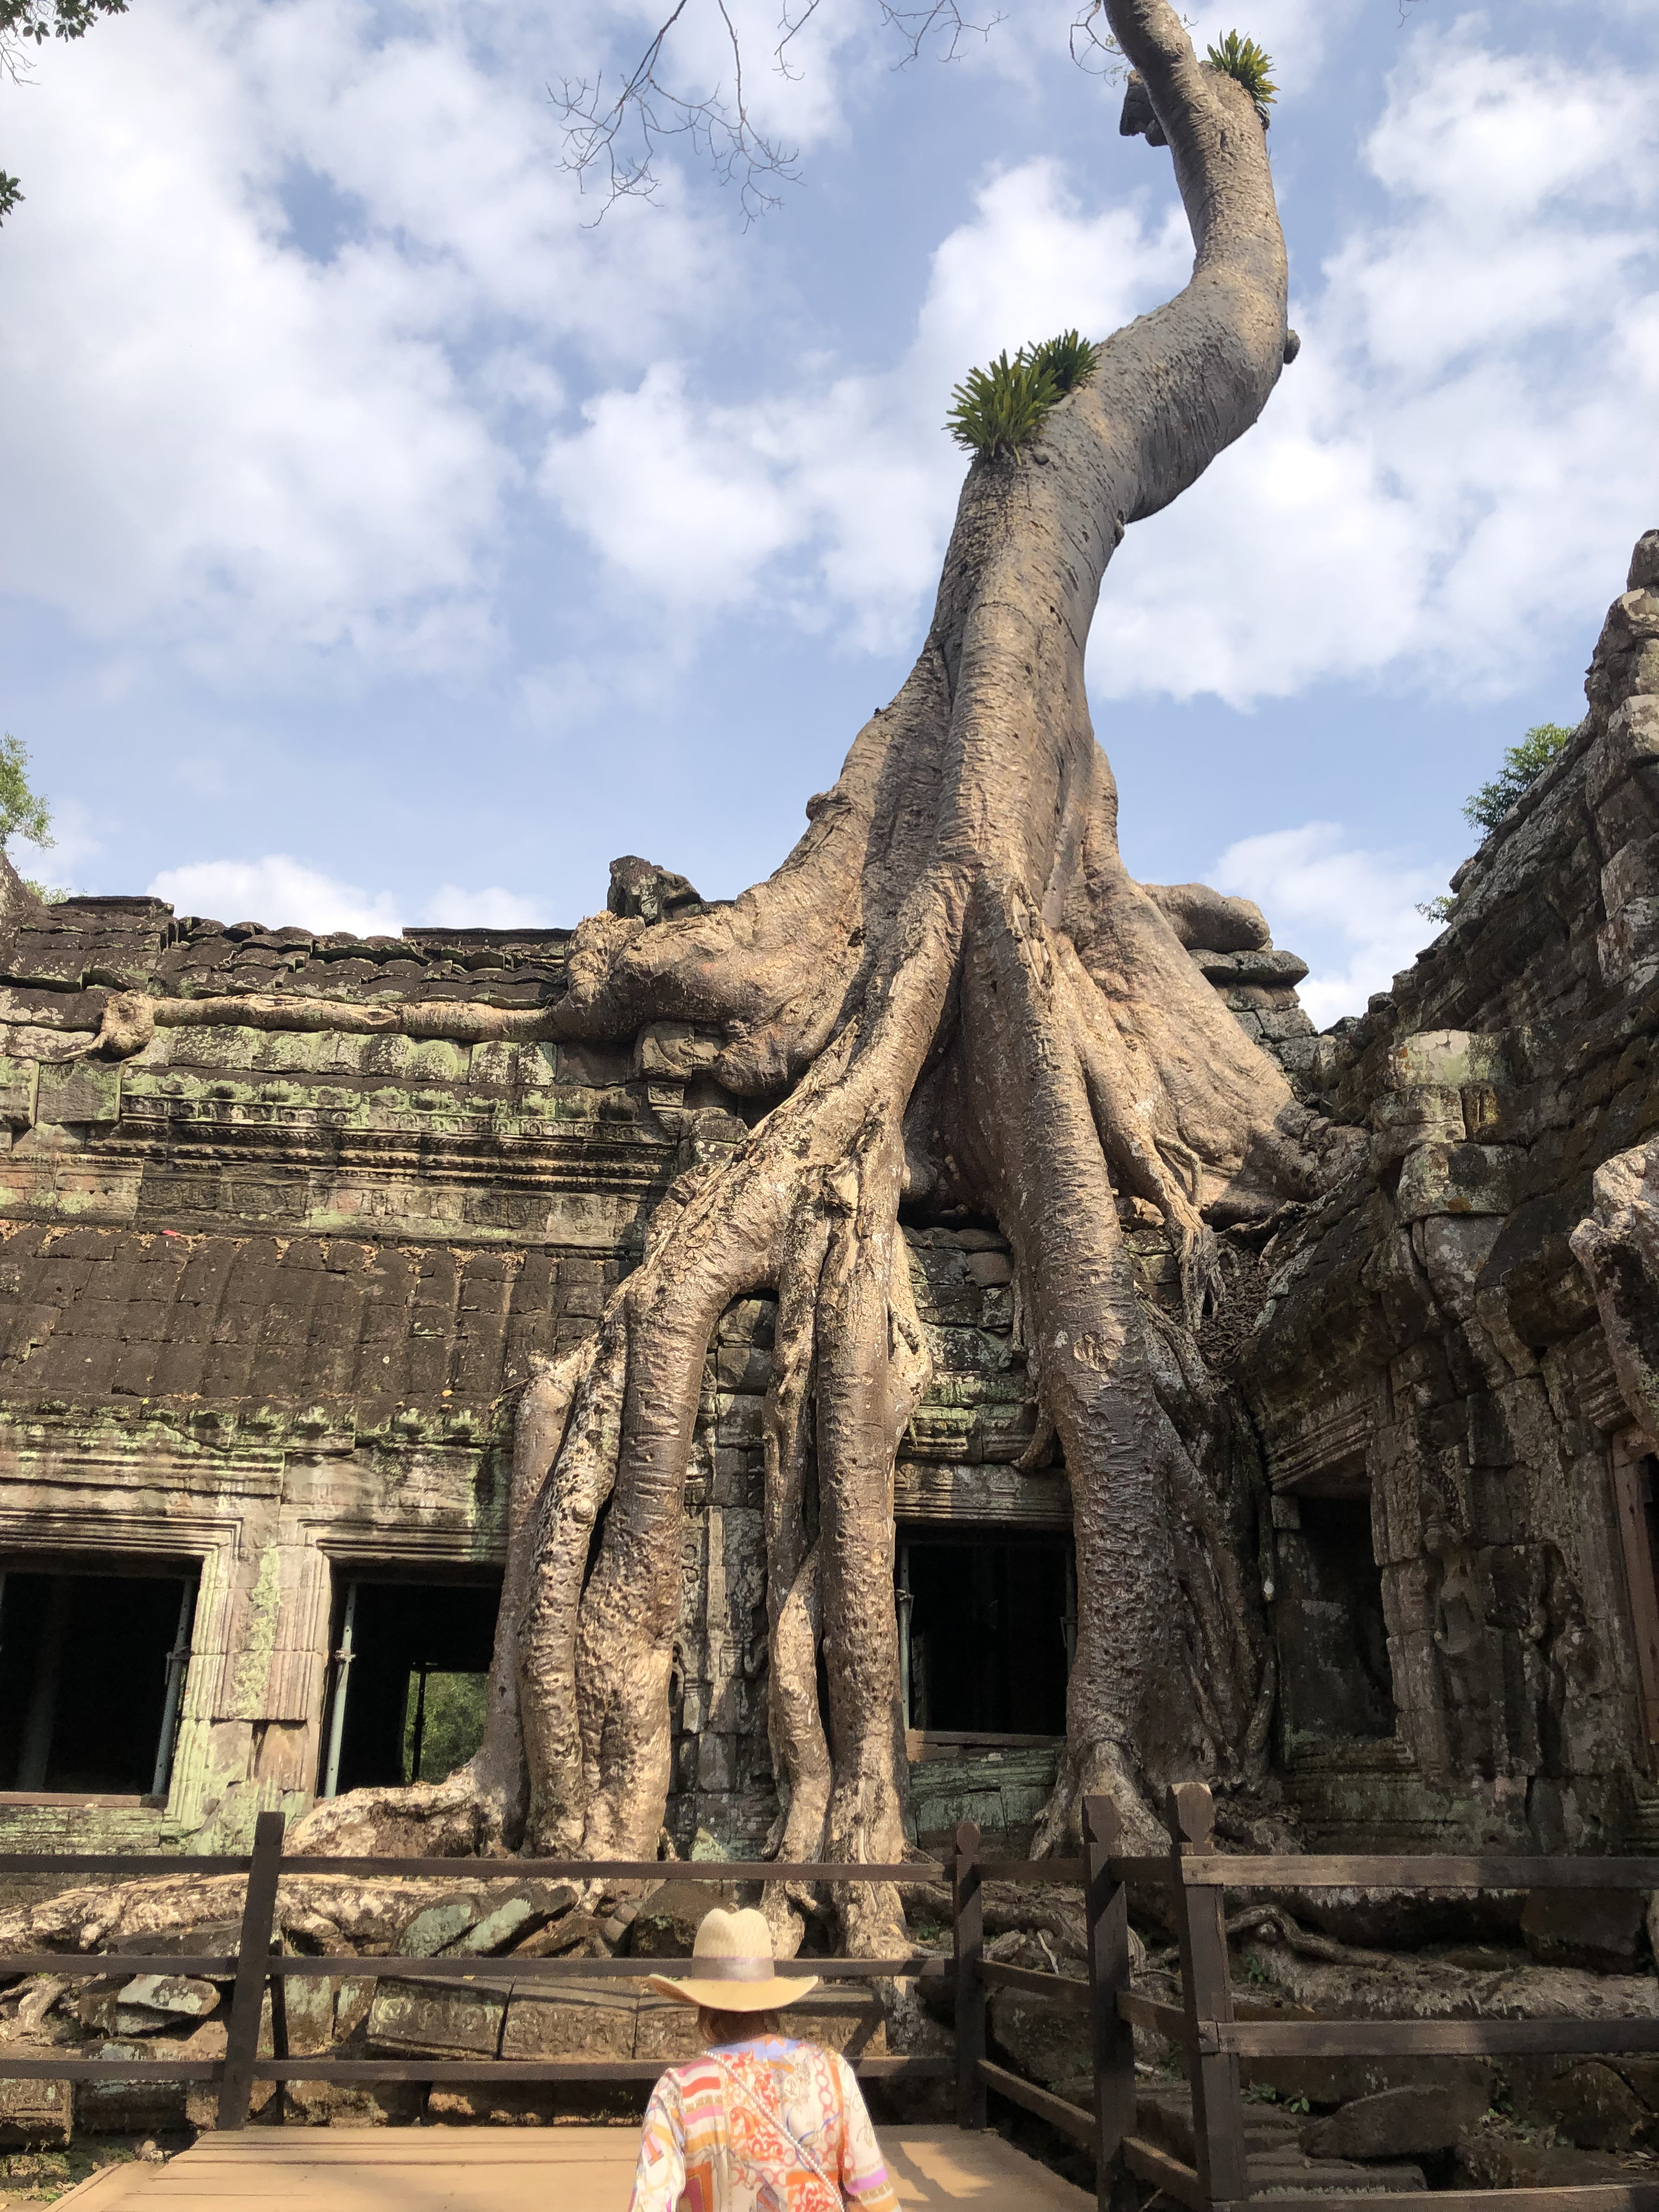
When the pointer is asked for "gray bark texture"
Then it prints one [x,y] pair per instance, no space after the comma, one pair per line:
[951,993]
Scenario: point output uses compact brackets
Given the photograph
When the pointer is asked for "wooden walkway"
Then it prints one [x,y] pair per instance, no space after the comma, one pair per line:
[556,2169]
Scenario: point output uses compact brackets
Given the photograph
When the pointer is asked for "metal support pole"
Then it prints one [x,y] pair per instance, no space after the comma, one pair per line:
[420,1728]
[906,1603]
[177,1661]
[341,1683]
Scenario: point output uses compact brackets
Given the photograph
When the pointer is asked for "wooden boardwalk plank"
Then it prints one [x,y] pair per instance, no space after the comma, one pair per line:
[587,2169]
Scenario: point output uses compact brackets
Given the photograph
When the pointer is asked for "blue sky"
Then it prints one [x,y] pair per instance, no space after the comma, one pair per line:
[388,542]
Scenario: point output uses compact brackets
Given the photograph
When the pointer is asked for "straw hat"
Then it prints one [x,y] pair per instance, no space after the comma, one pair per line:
[735,1970]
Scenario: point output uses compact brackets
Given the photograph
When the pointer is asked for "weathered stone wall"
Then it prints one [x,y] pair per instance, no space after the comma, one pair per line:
[1431,1342]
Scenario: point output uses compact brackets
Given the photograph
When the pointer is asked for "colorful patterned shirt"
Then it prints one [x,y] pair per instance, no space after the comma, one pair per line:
[768,2126]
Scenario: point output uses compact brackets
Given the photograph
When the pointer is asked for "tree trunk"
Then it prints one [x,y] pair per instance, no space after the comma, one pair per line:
[951,990]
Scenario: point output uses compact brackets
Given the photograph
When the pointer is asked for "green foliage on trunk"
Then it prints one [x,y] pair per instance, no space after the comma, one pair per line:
[1000,409]
[1523,766]
[1243,59]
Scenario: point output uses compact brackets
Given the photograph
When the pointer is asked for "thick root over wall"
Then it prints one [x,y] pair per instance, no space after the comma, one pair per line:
[952,995]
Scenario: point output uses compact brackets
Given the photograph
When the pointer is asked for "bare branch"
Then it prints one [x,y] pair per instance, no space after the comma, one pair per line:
[615,139]
[941,20]
[619,140]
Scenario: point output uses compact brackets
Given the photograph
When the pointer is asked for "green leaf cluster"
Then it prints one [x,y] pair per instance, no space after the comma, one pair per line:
[1243,59]
[40,20]
[24,23]
[1523,766]
[1000,409]
[23,812]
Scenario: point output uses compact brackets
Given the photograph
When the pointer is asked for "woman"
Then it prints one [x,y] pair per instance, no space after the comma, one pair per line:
[761,2122]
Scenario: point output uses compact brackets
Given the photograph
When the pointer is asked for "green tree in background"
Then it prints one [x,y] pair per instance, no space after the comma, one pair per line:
[23,812]
[24,23]
[1523,766]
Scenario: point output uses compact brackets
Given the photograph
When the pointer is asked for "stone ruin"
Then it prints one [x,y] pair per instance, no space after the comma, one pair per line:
[266,1298]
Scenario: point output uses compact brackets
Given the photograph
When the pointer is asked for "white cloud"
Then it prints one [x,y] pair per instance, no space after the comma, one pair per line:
[224,439]
[281,892]
[848,479]
[493,909]
[1352,914]
[1468,438]
[1473,417]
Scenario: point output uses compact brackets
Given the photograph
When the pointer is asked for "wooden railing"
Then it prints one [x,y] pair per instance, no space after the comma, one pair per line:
[256,1968]
[1194,1877]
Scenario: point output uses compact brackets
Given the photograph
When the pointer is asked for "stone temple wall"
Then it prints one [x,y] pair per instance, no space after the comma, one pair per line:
[1431,1346]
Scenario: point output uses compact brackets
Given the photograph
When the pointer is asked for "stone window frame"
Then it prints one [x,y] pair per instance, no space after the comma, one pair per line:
[212,1541]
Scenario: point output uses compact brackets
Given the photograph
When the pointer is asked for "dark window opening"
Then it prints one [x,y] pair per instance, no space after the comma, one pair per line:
[1335,1681]
[407,1684]
[985,1630]
[92,1673]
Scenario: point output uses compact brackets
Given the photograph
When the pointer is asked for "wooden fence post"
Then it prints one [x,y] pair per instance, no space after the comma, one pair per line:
[968,1930]
[1106,1905]
[253,1970]
[1218,2120]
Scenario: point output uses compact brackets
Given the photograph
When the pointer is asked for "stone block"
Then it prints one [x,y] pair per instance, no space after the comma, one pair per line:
[1326,2082]
[743,1366]
[437,1926]
[1594,2109]
[1630,938]
[17,1091]
[1632,874]
[667,1924]
[1601,1929]
[737,1418]
[577,2020]
[452,2020]
[1459,1179]
[1494,2161]
[748,1321]
[308,2007]
[112,2107]
[507,1925]
[845,2016]
[717,1764]
[1424,1114]
[664,2027]
[169,1997]
[1409,2122]
[988,1269]
[79,1092]
[1447,1059]
[1045,2043]
[35,2115]
[1629,744]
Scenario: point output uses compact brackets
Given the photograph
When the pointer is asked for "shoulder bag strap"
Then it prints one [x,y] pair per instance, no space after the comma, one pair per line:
[730,2072]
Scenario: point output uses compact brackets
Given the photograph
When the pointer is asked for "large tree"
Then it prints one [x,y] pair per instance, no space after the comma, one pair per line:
[952,992]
